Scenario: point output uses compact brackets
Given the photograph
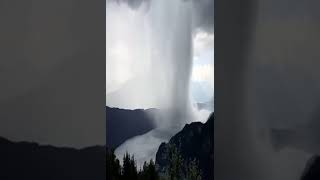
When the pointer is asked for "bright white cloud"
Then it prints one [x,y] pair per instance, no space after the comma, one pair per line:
[203,72]
[203,58]
[202,42]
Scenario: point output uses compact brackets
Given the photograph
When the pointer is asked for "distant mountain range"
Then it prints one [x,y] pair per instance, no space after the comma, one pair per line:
[194,141]
[123,124]
[23,160]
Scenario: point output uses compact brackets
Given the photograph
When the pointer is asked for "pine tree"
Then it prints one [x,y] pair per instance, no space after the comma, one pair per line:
[153,174]
[144,172]
[193,171]
[126,166]
[180,169]
[175,169]
[133,169]
[113,166]
[149,171]
[129,169]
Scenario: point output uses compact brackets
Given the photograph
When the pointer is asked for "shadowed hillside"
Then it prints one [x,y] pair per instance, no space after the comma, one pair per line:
[25,160]
[123,124]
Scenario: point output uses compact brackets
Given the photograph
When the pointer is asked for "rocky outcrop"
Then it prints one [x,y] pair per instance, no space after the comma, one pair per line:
[194,141]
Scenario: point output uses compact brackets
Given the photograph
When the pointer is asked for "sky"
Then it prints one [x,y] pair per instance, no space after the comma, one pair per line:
[128,62]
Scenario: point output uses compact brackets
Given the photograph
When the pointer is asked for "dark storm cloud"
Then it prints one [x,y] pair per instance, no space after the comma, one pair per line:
[52,71]
[132,3]
[203,12]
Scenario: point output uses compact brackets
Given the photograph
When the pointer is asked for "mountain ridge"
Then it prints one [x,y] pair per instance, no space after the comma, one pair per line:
[30,160]
[123,124]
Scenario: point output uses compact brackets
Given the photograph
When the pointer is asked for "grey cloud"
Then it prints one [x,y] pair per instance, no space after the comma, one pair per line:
[203,12]
[132,3]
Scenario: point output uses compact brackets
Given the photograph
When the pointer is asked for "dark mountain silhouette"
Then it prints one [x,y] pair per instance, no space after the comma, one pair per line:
[123,124]
[312,170]
[23,160]
[194,141]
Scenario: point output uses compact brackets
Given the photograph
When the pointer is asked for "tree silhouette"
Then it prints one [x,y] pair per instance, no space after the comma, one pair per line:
[149,171]
[129,169]
[193,172]
[113,166]
[175,169]
[180,169]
